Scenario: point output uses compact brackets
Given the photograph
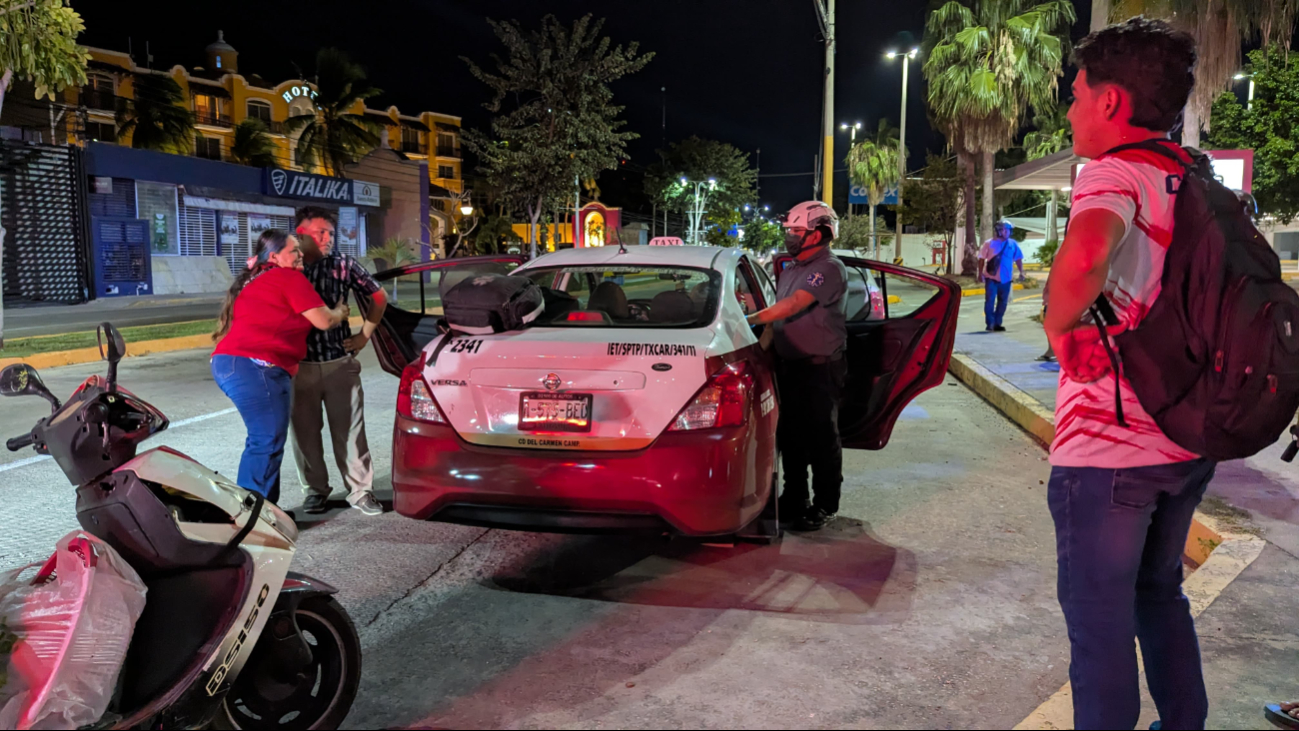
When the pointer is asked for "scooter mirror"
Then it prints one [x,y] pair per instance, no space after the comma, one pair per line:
[112,346]
[21,379]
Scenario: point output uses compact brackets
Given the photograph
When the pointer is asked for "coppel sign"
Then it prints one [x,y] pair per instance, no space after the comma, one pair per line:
[299,91]
[290,184]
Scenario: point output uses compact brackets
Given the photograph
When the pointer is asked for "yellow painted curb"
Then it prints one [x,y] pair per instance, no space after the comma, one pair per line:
[1287,276]
[58,358]
[981,290]
[894,299]
[1034,418]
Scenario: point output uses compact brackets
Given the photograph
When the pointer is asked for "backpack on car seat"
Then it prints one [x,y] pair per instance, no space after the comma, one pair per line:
[1216,360]
[492,303]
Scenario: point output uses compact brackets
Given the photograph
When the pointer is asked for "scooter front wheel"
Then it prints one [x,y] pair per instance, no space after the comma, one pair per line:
[317,697]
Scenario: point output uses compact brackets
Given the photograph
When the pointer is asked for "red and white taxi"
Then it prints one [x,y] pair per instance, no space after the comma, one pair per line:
[640,400]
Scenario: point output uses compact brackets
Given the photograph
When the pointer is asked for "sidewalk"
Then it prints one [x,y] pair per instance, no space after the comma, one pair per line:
[1249,633]
[22,322]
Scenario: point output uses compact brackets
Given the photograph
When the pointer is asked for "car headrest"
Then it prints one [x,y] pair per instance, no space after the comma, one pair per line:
[609,298]
[671,306]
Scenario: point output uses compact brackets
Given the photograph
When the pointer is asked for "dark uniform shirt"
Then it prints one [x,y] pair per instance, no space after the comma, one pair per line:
[820,331]
[333,277]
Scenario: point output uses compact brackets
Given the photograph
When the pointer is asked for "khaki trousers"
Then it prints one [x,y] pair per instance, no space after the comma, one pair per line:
[336,386]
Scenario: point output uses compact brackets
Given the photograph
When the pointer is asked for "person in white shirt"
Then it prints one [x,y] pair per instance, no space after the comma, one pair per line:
[1122,494]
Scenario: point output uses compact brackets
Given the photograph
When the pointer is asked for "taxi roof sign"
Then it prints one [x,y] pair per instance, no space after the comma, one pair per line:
[666,241]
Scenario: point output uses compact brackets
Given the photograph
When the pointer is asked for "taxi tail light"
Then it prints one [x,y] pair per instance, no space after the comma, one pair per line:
[723,401]
[414,400]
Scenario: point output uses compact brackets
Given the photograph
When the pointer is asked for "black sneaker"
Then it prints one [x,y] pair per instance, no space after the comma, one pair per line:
[999,329]
[315,504]
[812,520]
[368,505]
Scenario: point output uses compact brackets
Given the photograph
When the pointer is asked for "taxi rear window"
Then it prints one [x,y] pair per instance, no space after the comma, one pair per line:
[627,296]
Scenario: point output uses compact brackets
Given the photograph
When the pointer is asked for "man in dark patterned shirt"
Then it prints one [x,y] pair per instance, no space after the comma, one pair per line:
[331,374]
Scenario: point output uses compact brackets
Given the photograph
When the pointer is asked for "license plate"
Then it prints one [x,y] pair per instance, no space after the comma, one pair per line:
[555,412]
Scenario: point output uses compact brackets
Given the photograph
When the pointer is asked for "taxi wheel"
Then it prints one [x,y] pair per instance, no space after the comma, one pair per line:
[765,529]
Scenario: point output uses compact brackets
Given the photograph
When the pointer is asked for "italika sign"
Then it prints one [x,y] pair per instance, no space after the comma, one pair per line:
[290,184]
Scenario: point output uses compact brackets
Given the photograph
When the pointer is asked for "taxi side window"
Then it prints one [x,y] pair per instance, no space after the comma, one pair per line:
[579,286]
[746,289]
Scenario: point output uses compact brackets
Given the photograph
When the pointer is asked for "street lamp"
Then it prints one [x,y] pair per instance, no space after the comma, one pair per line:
[702,189]
[466,210]
[902,136]
[1249,104]
[852,131]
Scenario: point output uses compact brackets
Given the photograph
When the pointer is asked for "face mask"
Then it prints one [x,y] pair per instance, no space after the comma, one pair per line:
[794,243]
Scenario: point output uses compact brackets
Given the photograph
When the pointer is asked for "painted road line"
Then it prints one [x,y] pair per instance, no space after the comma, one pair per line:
[981,290]
[1025,299]
[175,425]
[1232,557]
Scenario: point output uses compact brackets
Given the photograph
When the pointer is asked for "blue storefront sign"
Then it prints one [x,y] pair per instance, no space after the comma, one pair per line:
[857,196]
[290,184]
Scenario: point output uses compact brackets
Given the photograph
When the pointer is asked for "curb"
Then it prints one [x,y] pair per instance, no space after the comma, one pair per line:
[78,356]
[982,290]
[1031,416]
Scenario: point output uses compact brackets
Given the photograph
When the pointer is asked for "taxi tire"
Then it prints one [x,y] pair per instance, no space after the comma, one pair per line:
[765,529]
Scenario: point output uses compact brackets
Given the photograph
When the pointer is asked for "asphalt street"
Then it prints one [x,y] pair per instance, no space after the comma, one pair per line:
[928,603]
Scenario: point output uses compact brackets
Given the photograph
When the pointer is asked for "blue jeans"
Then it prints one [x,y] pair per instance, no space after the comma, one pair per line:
[263,394]
[1119,541]
[996,297]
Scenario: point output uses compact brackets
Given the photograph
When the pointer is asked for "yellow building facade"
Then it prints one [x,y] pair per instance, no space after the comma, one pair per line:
[221,97]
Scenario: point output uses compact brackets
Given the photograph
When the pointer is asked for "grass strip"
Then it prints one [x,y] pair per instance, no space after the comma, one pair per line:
[21,347]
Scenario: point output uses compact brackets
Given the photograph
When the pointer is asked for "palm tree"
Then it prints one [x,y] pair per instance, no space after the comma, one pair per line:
[252,145]
[1219,27]
[158,119]
[873,165]
[992,61]
[395,252]
[333,136]
[491,231]
[1051,133]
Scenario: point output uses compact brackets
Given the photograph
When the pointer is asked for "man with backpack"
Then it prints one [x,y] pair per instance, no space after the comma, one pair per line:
[997,261]
[1122,497]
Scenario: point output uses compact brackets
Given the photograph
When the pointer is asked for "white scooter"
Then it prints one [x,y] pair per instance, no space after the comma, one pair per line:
[229,636]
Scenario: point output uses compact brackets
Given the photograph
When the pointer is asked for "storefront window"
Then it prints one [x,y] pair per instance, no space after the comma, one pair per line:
[156,204]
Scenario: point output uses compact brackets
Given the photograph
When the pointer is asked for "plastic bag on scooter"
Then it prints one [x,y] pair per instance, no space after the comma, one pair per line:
[64,634]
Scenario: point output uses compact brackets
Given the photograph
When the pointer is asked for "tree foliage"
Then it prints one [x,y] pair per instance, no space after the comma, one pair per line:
[763,234]
[873,163]
[555,121]
[855,233]
[158,118]
[252,144]
[1268,128]
[699,159]
[933,202]
[1219,27]
[990,62]
[333,136]
[1051,133]
[38,43]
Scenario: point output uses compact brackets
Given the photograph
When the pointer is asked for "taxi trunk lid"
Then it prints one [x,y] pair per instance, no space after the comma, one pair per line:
[637,381]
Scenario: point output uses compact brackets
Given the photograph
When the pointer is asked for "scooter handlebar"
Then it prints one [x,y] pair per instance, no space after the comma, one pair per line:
[18,443]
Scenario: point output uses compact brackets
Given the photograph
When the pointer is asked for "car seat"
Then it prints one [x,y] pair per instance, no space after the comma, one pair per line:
[610,299]
[674,307]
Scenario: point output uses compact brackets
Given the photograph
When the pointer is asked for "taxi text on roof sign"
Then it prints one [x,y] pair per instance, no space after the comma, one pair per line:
[666,241]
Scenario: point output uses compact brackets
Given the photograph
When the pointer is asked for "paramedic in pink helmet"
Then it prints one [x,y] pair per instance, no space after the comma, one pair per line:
[811,334]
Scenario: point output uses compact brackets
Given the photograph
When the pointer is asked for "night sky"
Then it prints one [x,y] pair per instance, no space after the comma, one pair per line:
[745,72]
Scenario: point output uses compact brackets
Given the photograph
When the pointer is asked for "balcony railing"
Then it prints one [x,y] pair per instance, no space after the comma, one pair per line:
[102,100]
[213,119]
[415,147]
[448,151]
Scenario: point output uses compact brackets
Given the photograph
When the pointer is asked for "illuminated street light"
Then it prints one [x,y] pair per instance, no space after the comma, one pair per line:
[466,210]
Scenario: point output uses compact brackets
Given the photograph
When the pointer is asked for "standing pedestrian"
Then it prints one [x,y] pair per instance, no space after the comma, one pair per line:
[997,261]
[261,335]
[330,374]
[1122,494]
[811,334]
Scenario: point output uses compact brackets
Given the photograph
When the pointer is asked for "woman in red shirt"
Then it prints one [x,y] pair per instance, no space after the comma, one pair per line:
[262,336]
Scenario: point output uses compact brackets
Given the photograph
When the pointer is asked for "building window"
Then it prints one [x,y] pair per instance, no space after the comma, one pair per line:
[98,93]
[207,109]
[208,148]
[101,132]
[440,204]
[410,141]
[446,172]
[259,110]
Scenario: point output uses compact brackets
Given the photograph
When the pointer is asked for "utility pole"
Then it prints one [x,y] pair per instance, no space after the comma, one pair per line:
[902,142]
[577,207]
[825,14]
[757,179]
[1100,14]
